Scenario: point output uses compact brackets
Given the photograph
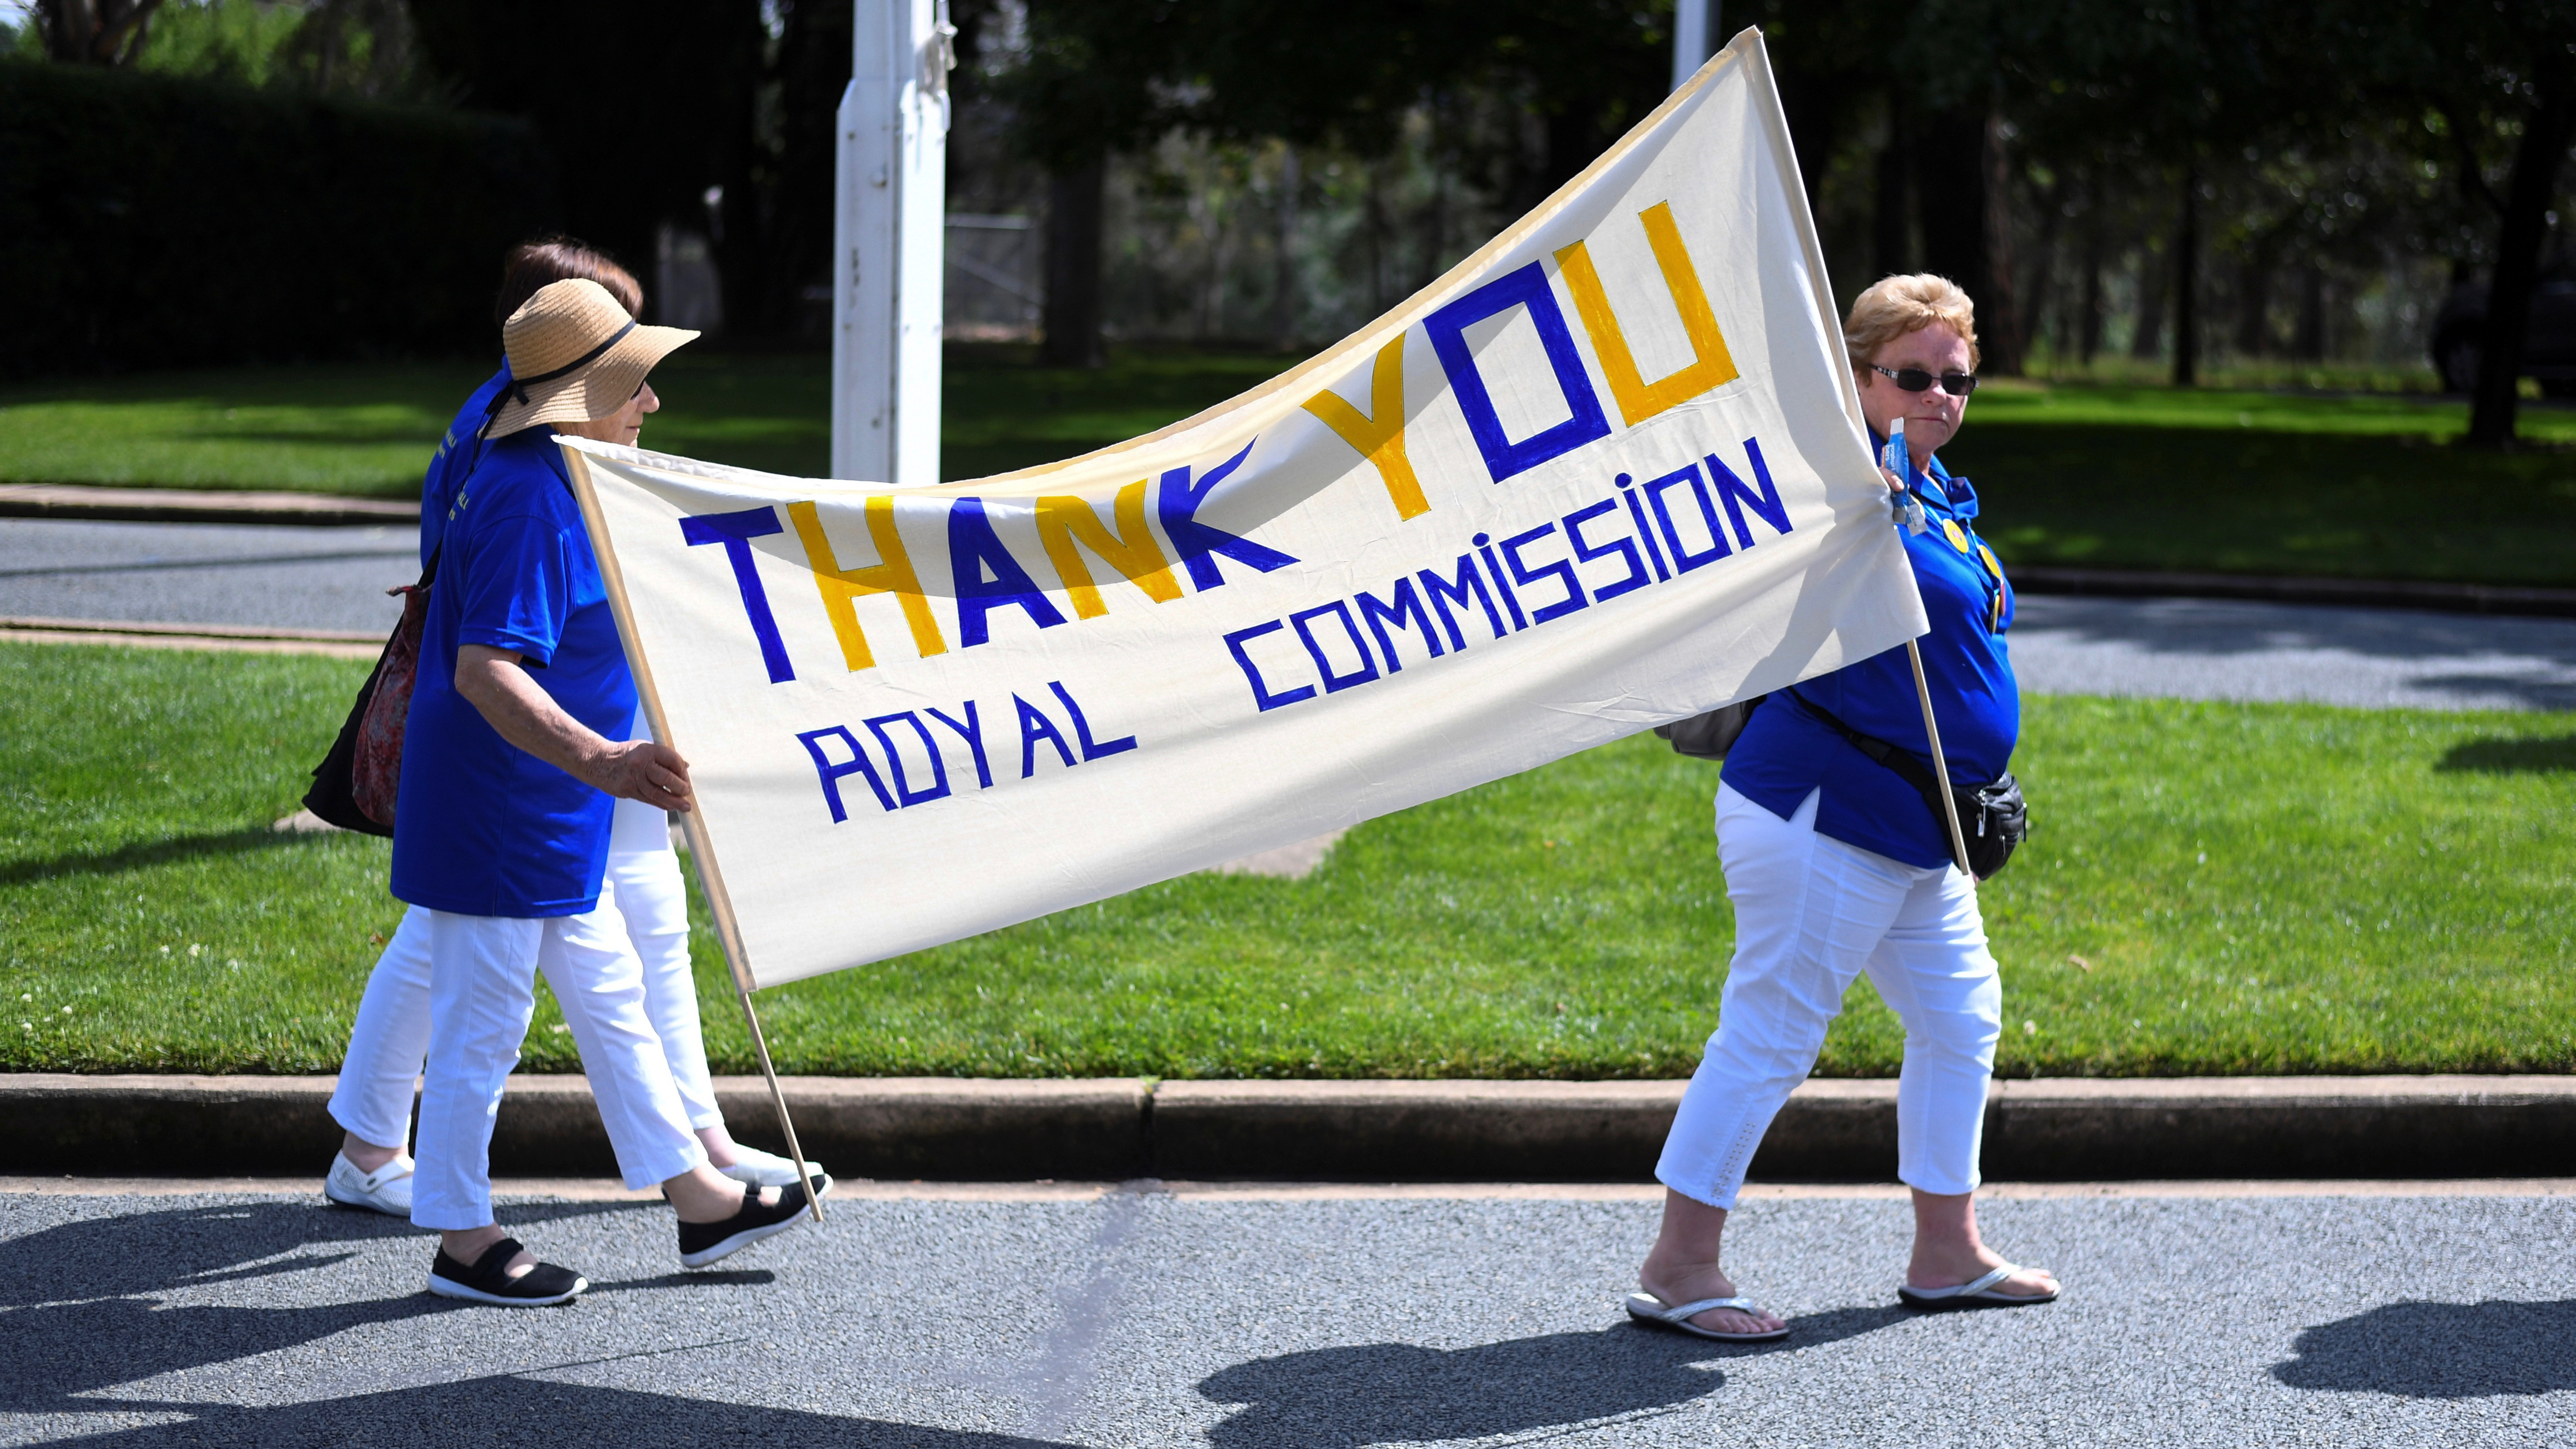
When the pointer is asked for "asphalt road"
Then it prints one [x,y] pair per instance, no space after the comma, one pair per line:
[1146,1318]
[2188,648]
[205,573]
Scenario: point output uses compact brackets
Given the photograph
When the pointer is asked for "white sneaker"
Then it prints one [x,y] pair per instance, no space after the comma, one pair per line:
[768,1169]
[387,1189]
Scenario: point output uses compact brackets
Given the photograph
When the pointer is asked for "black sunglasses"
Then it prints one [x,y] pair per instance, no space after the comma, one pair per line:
[1915,379]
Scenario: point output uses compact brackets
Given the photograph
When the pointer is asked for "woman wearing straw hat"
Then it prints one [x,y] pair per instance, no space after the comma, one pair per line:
[387,1044]
[501,830]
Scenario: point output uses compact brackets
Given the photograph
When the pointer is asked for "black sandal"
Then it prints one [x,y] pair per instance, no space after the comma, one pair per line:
[486,1281]
[704,1243]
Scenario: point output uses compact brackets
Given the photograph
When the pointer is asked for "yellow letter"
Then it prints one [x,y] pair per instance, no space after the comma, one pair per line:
[1639,399]
[1065,520]
[891,574]
[1380,439]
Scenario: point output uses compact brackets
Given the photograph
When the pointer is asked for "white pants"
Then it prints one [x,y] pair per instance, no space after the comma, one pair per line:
[482,989]
[390,1040]
[1812,913]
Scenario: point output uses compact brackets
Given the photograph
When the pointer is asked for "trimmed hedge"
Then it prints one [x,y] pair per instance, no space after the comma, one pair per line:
[152,221]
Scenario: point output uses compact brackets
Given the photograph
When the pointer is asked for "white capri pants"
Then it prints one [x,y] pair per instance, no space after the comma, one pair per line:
[482,989]
[1812,913]
[644,898]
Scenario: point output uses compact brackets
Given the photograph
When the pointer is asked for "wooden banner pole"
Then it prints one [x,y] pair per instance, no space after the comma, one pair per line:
[693,822]
[1940,767]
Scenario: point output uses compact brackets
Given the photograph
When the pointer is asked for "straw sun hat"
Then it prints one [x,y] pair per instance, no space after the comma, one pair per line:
[574,356]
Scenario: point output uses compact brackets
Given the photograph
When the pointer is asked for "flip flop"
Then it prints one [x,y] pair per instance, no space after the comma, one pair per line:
[1647,1308]
[1976,1292]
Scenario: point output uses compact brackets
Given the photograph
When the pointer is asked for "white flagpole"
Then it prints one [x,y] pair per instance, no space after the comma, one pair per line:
[887,239]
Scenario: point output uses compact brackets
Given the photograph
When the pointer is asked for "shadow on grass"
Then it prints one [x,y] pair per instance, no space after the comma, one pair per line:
[2515,756]
[247,841]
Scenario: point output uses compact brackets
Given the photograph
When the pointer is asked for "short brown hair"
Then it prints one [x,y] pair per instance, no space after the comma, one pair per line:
[1897,305]
[532,265]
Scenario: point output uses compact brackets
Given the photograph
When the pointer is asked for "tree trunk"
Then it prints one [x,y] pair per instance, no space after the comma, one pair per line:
[2545,135]
[2186,284]
[2147,337]
[2005,331]
[1283,295]
[1889,215]
[1950,194]
[2308,342]
[2089,324]
[95,32]
[1071,321]
[2254,302]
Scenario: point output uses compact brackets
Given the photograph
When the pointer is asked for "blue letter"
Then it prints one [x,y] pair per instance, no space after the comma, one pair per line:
[1626,548]
[1683,559]
[974,549]
[1377,616]
[1443,592]
[1766,503]
[894,758]
[1035,726]
[1178,503]
[1335,683]
[973,730]
[1563,570]
[1082,730]
[736,531]
[1234,643]
[832,773]
[1447,329]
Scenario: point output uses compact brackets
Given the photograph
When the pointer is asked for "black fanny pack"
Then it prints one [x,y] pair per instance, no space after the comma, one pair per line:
[1993,818]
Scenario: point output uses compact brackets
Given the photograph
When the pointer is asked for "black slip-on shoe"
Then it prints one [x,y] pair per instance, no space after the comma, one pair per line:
[704,1243]
[484,1282]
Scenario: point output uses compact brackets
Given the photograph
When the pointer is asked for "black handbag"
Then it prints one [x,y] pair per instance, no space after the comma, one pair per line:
[1993,817]
[355,785]
[1709,736]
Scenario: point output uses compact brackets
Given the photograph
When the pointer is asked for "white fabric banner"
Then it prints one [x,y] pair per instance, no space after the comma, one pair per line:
[1609,472]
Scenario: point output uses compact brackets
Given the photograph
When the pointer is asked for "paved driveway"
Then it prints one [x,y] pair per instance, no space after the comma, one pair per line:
[1293,1318]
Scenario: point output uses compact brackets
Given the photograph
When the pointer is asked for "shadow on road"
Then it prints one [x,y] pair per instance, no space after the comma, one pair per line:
[512,1410]
[75,1317]
[119,1257]
[2440,1351]
[1400,1392]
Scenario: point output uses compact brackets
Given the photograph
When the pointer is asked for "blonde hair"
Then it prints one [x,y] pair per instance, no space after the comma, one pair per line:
[1897,305]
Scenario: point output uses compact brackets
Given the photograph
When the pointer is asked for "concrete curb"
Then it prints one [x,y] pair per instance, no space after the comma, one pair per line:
[194,505]
[960,1129]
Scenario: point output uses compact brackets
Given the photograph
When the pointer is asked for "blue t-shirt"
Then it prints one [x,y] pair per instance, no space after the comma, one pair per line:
[1786,751]
[483,828]
[454,459]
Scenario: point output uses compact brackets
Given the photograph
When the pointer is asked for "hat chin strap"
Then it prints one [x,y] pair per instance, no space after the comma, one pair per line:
[519,385]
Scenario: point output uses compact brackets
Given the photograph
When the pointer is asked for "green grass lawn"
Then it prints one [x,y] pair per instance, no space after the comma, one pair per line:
[2108,475]
[2251,888]
[369,429]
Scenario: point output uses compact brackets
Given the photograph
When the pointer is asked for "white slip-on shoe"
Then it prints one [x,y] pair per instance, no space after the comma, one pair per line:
[768,1169]
[386,1190]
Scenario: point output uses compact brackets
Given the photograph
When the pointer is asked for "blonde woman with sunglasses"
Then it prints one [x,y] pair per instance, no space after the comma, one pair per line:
[1837,865]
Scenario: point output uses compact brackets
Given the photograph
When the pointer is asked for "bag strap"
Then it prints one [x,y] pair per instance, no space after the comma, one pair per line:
[1911,770]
